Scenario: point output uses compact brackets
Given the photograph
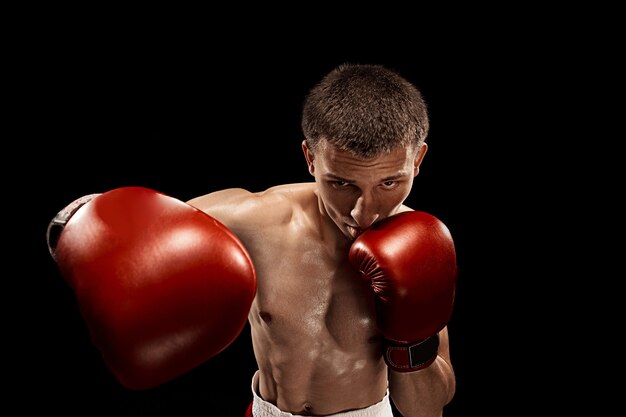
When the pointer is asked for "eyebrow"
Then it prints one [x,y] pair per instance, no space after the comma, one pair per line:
[338,178]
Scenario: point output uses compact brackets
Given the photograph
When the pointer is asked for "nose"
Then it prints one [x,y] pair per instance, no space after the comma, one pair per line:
[365,212]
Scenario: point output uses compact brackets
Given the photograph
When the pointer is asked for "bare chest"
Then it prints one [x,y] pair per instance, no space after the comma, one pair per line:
[306,291]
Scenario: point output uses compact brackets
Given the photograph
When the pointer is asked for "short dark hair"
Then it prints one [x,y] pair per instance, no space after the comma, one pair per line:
[365,109]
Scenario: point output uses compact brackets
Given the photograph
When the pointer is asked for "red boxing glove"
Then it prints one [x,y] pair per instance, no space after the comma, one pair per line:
[410,261]
[162,286]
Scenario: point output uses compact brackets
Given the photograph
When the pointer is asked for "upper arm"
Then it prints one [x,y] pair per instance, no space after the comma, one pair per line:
[221,204]
[232,206]
[242,211]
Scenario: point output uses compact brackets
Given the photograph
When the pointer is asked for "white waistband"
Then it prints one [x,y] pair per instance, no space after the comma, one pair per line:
[262,408]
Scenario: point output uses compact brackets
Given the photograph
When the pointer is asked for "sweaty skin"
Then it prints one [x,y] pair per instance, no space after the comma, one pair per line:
[313,322]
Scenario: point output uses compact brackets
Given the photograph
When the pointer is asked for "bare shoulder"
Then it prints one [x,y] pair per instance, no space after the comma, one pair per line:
[239,208]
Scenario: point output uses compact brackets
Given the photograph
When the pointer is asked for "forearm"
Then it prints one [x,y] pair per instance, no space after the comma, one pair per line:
[424,393]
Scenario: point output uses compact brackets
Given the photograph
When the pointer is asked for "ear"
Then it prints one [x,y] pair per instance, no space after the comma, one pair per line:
[308,155]
[419,158]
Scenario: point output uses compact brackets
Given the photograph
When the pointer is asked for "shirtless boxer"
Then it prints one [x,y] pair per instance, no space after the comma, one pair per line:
[352,289]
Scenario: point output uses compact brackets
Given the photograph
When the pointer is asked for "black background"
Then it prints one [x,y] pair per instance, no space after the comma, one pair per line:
[186,116]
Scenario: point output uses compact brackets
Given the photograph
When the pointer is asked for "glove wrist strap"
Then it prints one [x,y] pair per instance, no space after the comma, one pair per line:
[411,356]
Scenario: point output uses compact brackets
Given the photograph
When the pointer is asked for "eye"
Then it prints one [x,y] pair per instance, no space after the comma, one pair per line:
[390,184]
[339,184]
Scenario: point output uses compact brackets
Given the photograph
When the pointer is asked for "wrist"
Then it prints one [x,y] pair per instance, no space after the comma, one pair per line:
[410,357]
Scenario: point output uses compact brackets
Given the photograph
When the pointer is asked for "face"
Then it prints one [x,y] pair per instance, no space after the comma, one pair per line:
[354,192]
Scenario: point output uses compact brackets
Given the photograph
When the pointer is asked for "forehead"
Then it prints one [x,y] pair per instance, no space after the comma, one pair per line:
[347,165]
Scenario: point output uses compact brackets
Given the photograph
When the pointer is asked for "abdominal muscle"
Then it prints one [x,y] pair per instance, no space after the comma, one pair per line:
[315,341]
[333,382]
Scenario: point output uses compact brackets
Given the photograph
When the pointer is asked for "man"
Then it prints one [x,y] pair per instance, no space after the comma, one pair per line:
[348,291]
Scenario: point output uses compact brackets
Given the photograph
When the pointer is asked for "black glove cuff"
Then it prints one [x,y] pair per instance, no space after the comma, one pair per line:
[411,357]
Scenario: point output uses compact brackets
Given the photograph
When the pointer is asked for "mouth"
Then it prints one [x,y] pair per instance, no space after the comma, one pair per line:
[353,231]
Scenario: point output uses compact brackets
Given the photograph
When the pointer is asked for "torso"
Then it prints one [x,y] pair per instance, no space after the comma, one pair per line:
[313,326]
